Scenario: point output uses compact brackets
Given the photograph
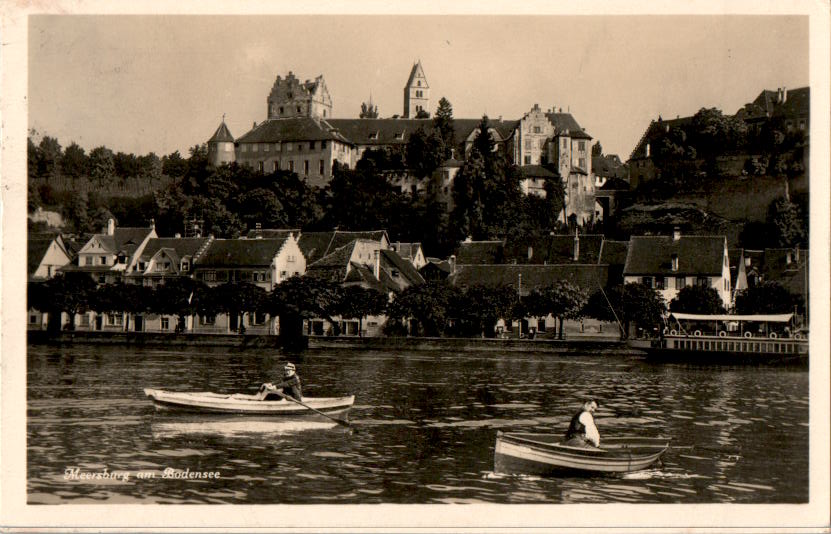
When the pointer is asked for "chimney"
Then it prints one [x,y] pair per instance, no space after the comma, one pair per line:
[177,235]
[788,258]
[452,262]
[530,253]
[675,262]
[576,245]
[676,234]
[796,253]
[110,226]
[377,269]
[469,239]
[152,223]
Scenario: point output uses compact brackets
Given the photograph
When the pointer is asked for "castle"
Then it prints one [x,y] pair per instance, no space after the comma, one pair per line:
[301,135]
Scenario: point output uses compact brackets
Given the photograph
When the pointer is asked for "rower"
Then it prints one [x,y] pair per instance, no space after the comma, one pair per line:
[290,384]
[582,431]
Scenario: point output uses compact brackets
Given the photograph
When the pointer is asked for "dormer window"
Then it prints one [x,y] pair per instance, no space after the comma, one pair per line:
[185,266]
[399,136]
[373,135]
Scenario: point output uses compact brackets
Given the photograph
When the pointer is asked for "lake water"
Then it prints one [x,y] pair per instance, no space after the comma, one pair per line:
[424,428]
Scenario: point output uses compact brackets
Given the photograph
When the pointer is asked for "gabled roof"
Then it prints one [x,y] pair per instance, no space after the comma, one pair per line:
[316,245]
[464,127]
[566,124]
[36,250]
[536,171]
[292,129]
[613,252]
[240,253]
[361,274]
[378,131]
[391,260]
[588,277]
[654,130]
[183,246]
[697,255]
[222,135]
[553,249]
[416,72]
[480,252]
[406,250]
[271,233]
[124,239]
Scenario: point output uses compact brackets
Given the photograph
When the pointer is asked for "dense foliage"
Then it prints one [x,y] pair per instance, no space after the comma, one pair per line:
[697,299]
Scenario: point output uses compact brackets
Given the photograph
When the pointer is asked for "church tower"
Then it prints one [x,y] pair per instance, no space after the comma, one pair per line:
[221,146]
[416,93]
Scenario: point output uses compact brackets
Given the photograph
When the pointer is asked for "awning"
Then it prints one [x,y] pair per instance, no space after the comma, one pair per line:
[772,318]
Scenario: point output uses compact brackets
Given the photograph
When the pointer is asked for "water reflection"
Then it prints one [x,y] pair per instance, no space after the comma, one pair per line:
[423,427]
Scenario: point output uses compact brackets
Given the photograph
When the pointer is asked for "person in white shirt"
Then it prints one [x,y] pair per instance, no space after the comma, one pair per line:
[582,431]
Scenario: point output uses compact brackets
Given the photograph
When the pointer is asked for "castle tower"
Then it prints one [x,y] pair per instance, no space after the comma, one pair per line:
[221,146]
[290,98]
[416,93]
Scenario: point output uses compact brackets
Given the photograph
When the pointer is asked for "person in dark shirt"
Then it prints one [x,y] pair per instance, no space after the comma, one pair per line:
[582,431]
[290,385]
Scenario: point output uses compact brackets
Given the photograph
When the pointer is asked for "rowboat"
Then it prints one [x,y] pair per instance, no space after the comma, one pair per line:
[544,454]
[241,403]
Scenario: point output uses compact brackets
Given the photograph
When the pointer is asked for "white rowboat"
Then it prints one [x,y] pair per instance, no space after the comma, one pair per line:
[240,403]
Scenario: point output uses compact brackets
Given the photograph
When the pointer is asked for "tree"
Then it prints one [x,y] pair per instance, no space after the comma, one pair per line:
[784,218]
[425,151]
[428,304]
[631,303]
[356,302]
[174,165]
[50,156]
[368,111]
[697,299]
[237,299]
[262,206]
[70,293]
[767,297]
[597,149]
[422,114]
[562,300]
[443,122]
[101,165]
[175,297]
[486,305]
[299,298]
[74,162]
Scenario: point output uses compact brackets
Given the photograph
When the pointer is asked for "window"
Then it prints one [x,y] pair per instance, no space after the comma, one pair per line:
[527,144]
[305,167]
[185,265]
[565,143]
[647,281]
[257,318]
[291,165]
[84,319]
[165,323]
[299,109]
[208,319]
[419,83]
[659,282]
[290,259]
[536,129]
[322,167]
[244,148]
[299,147]
[680,282]
[254,147]
[266,147]
[283,274]
[115,319]
[394,273]
[289,147]
[103,260]
[311,145]
[281,110]
[581,163]
[528,160]
[209,276]
[88,260]
[122,260]
[323,143]
[33,319]
[702,281]
[276,166]
[581,145]
[261,166]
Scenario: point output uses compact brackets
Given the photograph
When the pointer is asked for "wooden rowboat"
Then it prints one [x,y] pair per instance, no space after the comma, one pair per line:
[240,403]
[543,454]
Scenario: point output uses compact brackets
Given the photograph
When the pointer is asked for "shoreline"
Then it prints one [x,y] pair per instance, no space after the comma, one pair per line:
[582,344]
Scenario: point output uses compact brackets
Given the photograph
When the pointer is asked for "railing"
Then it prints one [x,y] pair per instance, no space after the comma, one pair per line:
[760,345]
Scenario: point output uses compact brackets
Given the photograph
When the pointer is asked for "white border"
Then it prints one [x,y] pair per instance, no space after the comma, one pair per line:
[14,512]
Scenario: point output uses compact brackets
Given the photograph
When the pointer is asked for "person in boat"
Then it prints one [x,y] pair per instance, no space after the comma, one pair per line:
[290,385]
[582,431]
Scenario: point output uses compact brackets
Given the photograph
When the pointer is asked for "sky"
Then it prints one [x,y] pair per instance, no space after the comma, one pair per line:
[162,83]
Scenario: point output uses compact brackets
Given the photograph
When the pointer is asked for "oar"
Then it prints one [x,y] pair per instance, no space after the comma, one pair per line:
[303,404]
